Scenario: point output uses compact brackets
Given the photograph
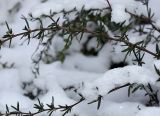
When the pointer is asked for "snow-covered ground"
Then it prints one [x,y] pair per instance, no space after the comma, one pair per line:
[89,74]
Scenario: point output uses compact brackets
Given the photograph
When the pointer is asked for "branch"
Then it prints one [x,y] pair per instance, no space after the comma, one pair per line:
[86,31]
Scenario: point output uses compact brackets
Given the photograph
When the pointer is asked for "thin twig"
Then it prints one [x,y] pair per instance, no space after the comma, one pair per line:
[116,88]
[109,5]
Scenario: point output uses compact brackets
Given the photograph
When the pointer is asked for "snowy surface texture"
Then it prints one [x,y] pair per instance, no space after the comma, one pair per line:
[91,75]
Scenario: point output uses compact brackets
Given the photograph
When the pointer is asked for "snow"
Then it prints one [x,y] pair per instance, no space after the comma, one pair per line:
[119,14]
[134,108]
[118,77]
[149,111]
[13,85]
[89,75]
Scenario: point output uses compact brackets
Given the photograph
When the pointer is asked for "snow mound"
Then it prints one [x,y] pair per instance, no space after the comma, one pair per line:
[118,77]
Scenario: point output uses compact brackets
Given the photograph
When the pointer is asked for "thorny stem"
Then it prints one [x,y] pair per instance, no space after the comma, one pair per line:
[62,108]
[144,19]
[86,31]
[23,33]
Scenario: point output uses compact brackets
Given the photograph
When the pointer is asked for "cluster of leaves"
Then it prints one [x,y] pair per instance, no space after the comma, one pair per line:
[72,29]
[149,91]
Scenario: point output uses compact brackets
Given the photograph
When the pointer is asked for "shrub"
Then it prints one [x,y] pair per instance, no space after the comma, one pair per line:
[93,29]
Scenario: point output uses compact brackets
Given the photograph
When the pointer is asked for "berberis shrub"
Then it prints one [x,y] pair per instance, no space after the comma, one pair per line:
[93,29]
